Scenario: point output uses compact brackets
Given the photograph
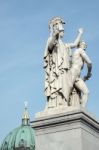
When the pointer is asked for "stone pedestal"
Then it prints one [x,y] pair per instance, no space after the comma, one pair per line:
[73,130]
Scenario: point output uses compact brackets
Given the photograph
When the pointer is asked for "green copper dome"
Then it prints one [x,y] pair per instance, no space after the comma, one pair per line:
[21,138]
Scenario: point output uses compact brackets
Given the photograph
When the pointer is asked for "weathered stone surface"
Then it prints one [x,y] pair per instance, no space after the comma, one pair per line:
[59,78]
[72,130]
[57,110]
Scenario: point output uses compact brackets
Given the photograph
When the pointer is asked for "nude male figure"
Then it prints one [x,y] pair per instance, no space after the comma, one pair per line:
[79,58]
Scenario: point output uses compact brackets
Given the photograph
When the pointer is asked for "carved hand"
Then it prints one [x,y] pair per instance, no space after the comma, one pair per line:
[87,77]
[81,30]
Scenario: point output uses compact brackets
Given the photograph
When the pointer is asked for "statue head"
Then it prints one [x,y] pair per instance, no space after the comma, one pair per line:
[56,24]
[82,44]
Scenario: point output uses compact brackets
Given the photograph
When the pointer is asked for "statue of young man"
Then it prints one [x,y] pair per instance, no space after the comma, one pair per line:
[79,58]
[57,64]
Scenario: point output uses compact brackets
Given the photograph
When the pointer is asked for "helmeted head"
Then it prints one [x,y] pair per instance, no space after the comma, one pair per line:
[82,44]
[56,24]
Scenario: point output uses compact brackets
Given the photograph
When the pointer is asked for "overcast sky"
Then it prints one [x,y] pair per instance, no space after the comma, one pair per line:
[23,35]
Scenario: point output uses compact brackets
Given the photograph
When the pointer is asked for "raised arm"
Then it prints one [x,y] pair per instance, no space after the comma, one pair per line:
[53,41]
[76,42]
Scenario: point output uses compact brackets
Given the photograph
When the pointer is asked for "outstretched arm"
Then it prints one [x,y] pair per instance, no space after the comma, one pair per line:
[76,42]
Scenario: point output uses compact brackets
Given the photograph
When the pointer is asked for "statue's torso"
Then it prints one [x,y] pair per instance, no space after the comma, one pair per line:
[77,61]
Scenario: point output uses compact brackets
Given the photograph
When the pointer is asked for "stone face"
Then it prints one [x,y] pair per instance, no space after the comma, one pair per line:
[70,130]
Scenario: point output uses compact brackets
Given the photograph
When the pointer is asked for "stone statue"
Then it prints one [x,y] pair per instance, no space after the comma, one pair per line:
[79,58]
[57,60]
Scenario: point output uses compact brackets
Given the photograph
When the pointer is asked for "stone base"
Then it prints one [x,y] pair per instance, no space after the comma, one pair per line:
[56,110]
[73,130]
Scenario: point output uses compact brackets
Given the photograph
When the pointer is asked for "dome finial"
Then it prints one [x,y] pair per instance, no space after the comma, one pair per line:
[25,118]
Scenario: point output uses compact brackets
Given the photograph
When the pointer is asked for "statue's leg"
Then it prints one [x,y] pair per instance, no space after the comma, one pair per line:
[75,97]
[61,100]
[80,85]
[67,86]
